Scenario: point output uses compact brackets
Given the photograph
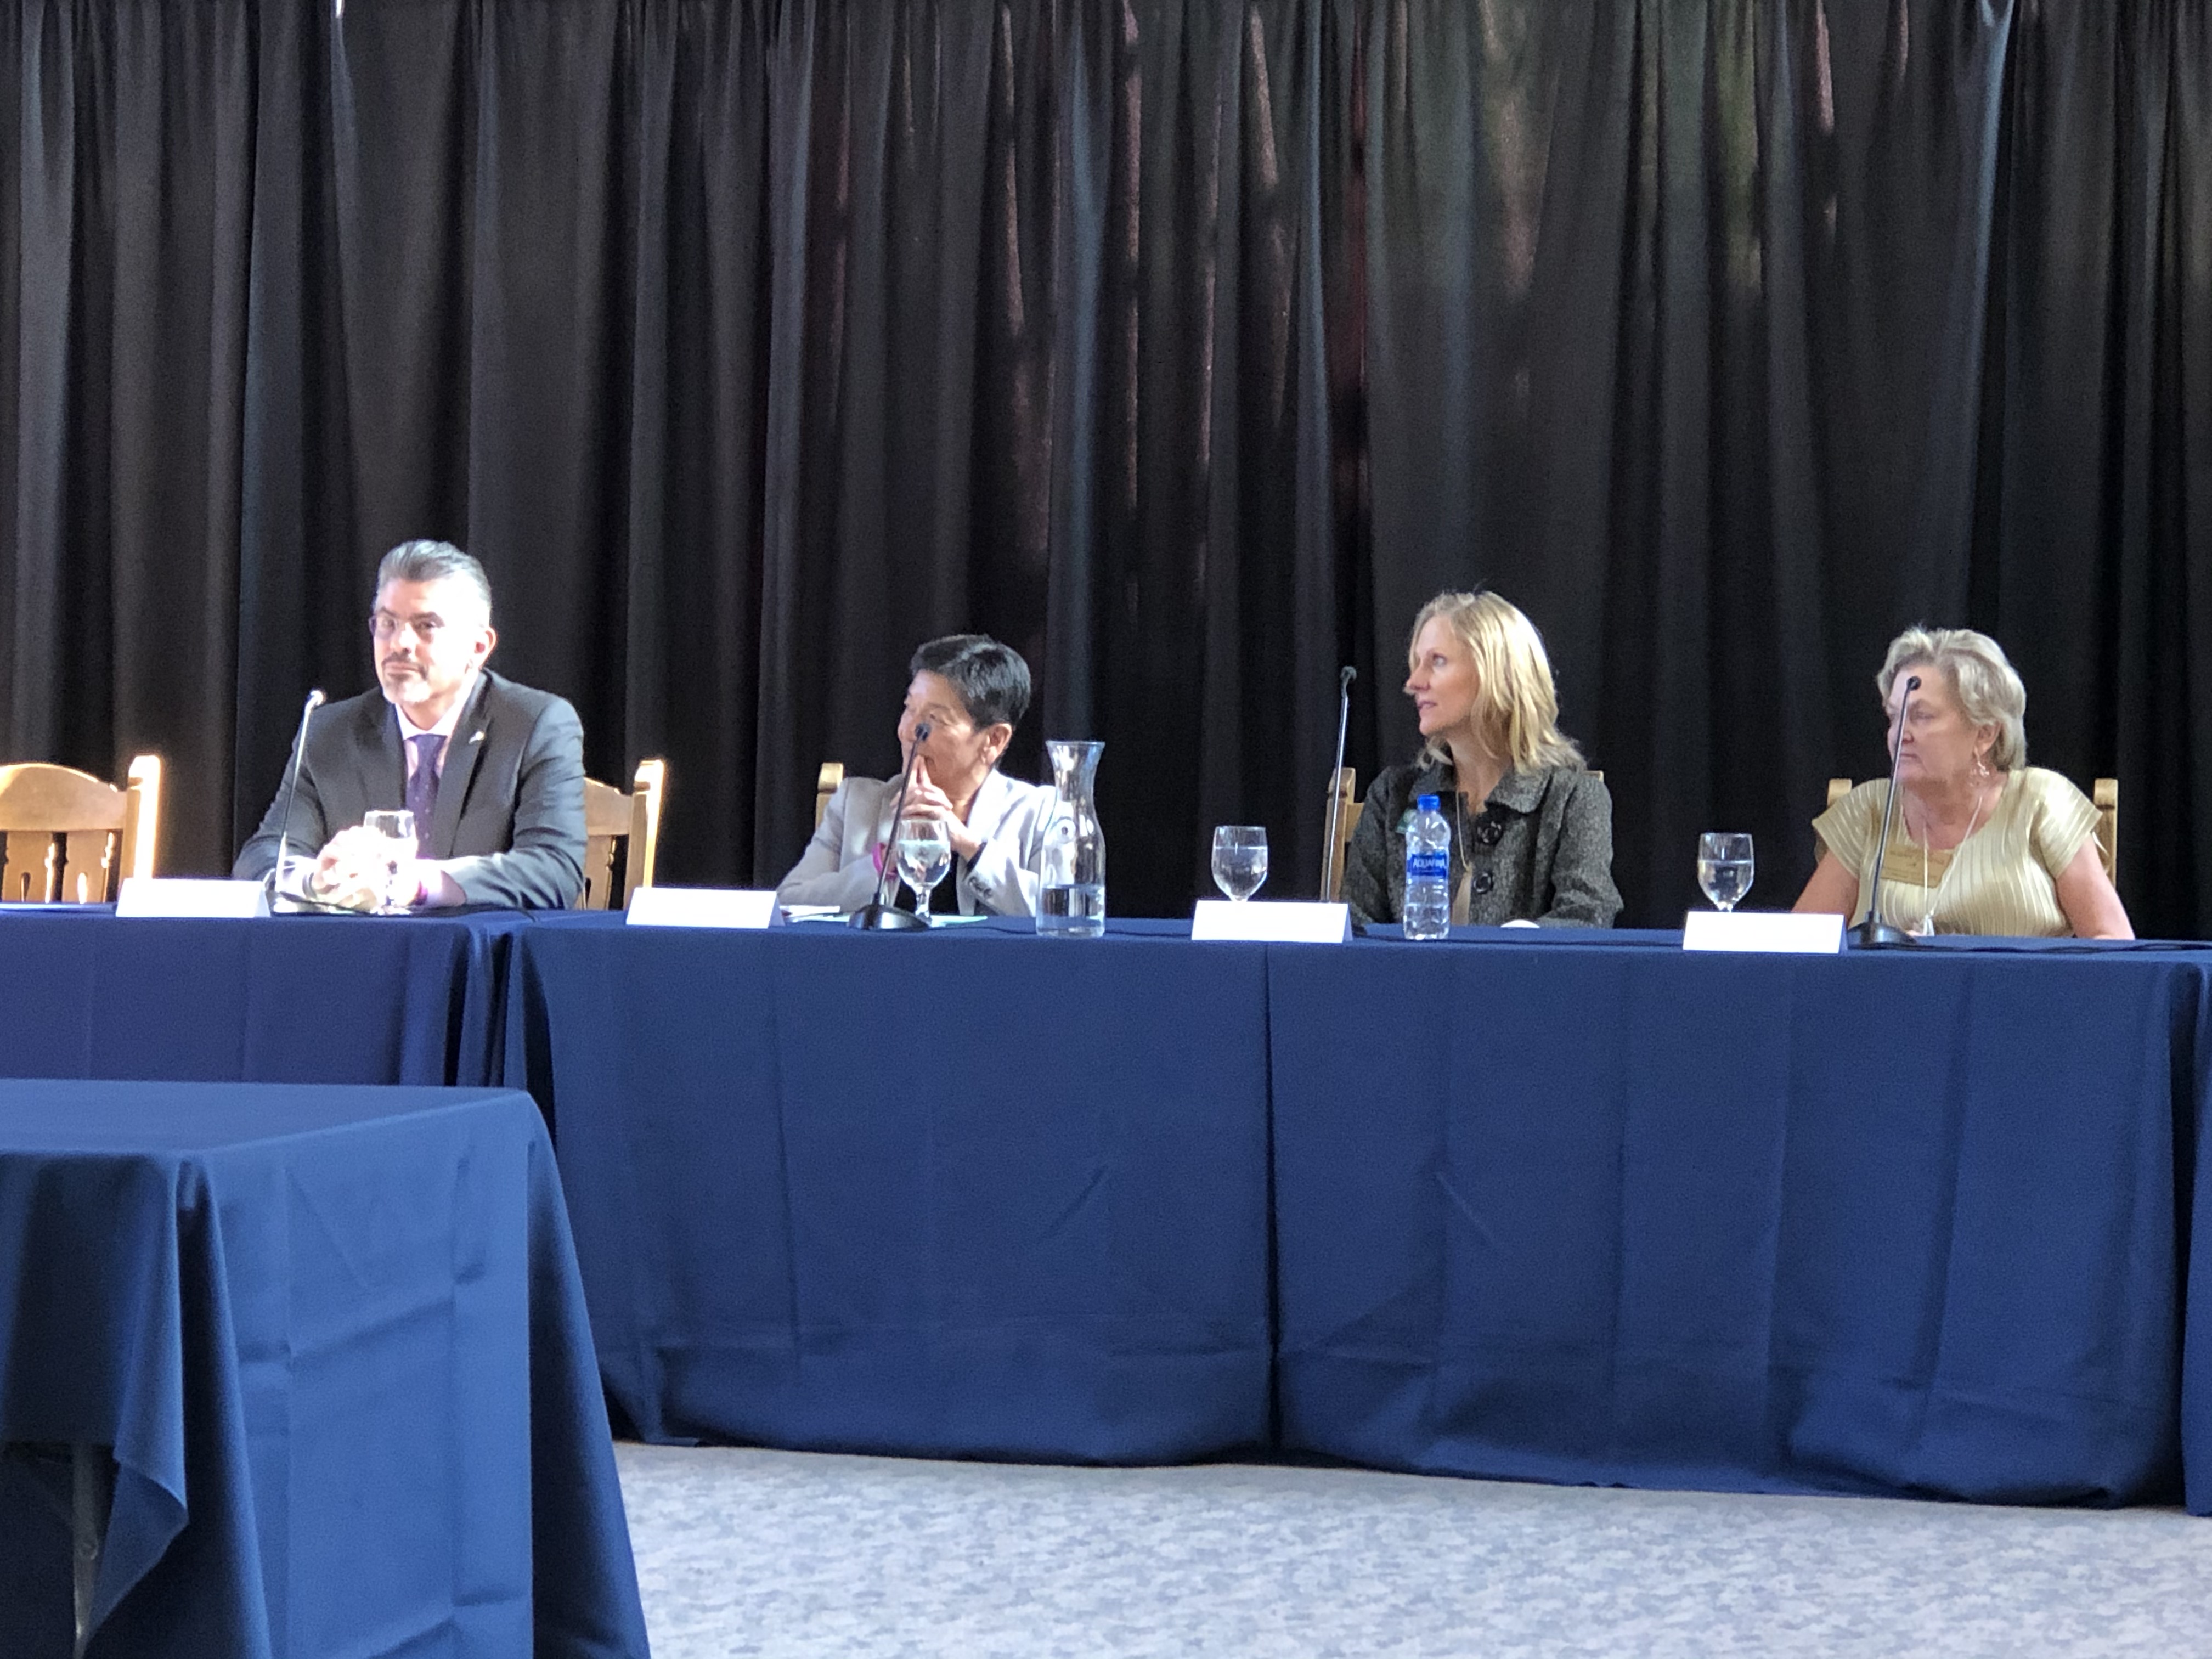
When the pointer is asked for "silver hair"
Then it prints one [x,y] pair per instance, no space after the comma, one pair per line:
[1981,678]
[433,562]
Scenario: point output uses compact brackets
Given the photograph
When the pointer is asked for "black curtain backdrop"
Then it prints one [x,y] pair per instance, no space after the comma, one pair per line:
[1189,347]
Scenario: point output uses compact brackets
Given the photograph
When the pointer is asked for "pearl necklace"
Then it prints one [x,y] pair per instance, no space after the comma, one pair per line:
[1928,900]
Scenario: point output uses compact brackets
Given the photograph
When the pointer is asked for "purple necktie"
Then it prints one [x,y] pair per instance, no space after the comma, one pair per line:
[422,788]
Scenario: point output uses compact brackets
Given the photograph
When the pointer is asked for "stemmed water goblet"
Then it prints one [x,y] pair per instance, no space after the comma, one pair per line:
[1724,867]
[1240,859]
[924,850]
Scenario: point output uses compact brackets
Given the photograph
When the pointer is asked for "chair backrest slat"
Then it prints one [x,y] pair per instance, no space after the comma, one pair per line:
[31,862]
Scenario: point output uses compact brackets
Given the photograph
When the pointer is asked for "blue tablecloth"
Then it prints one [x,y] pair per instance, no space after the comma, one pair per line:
[1569,1207]
[336,1338]
[970,1192]
[1603,1211]
[281,1000]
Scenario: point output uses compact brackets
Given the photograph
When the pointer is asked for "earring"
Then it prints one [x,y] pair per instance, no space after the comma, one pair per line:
[1982,768]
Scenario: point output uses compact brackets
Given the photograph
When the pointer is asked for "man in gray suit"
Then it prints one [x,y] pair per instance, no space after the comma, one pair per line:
[493,771]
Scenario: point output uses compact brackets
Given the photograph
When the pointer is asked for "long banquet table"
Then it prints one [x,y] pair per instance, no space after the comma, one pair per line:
[335,1339]
[1569,1206]
[1584,1208]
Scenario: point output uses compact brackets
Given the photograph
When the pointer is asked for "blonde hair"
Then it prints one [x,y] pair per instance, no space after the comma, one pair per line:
[1516,704]
[1981,678]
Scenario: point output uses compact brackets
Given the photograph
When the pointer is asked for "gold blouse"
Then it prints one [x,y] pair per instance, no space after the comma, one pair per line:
[2002,878]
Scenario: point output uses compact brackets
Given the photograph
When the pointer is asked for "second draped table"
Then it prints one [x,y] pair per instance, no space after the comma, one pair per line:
[335,1339]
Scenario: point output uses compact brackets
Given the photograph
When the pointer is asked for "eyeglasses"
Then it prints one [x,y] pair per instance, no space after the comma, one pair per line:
[386,626]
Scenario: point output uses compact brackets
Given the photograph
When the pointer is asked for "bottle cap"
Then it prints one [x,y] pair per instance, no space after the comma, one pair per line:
[1425,804]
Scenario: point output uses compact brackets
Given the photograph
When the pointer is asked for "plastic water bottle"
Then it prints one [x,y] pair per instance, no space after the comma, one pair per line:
[1428,874]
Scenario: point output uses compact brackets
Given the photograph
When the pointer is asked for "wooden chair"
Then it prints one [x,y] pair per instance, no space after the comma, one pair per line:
[610,818]
[833,774]
[1345,793]
[53,818]
[2104,794]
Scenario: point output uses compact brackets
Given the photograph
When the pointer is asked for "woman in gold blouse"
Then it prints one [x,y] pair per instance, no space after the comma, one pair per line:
[1982,842]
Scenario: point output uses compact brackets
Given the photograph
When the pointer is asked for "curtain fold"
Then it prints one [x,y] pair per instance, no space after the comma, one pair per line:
[129,152]
[1187,347]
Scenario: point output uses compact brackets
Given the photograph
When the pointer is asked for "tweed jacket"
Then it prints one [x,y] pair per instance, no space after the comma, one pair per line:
[509,823]
[1540,850]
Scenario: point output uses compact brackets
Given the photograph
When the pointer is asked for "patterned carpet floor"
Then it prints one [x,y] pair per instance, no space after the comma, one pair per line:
[744,1552]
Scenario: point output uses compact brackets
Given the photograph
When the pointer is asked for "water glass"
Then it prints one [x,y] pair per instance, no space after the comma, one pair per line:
[1240,859]
[924,850]
[1724,867]
[397,831]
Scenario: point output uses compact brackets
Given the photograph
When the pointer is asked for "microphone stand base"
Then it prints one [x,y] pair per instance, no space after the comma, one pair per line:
[883,919]
[1872,935]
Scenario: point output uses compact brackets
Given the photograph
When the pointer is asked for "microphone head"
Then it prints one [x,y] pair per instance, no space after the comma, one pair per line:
[1913,683]
[315,698]
[1345,677]
[921,733]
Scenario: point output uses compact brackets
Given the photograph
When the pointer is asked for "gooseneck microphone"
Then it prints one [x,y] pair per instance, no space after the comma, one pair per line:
[879,915]
[1874,933]
[1345,676]
[292,789]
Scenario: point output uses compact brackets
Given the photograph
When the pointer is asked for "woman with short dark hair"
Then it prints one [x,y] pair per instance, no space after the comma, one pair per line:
[970,691]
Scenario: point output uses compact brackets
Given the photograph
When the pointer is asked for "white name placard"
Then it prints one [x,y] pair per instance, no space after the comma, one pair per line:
[1273,922]
[702,907]
[1776,931]
[177,896]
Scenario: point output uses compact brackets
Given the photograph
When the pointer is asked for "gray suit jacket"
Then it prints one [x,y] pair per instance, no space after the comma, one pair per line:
[509,823]
[838,867]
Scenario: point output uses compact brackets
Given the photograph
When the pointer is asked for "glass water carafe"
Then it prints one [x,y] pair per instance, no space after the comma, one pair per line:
[1071,858]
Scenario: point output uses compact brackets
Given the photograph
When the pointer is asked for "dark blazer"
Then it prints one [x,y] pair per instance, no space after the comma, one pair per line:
[510,817]
[1540,850]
